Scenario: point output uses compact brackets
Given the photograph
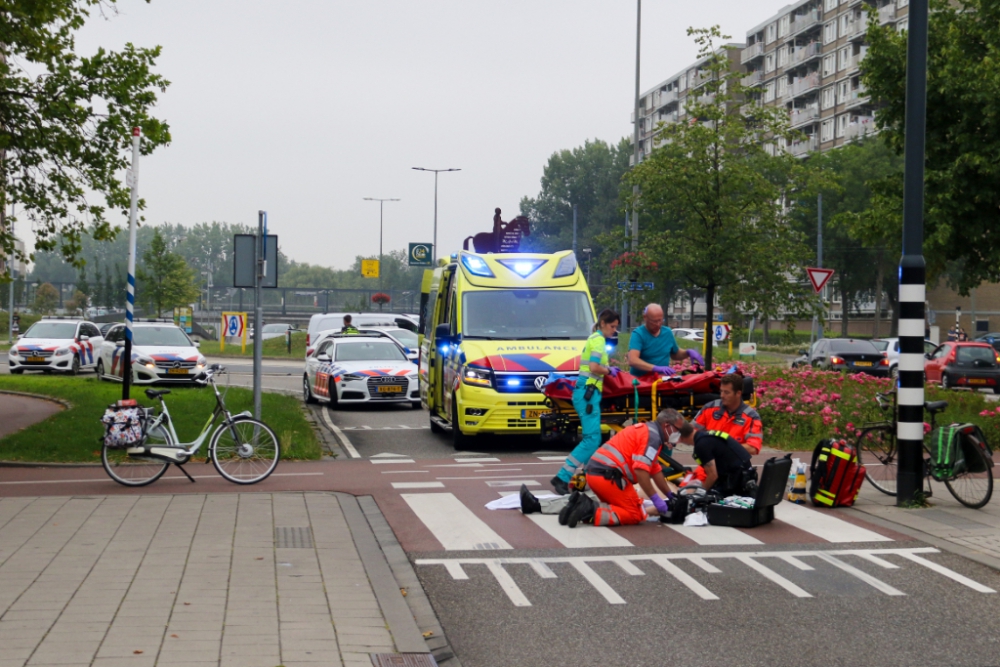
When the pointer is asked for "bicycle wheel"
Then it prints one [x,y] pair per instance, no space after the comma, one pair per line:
[137,470]
[973,489]
[877,452]
[245,451]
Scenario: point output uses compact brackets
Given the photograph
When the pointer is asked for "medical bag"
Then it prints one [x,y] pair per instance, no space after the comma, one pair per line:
[835,475]
[770,491]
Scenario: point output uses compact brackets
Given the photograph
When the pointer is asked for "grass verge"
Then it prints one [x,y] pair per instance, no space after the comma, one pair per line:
[274,348]
[71,436]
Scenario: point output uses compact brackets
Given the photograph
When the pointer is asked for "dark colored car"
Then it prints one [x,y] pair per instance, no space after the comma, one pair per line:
[992,338]
[973,365]
[849,354]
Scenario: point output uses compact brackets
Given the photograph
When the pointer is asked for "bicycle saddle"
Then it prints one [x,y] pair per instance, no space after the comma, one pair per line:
[935,406]
[152,393]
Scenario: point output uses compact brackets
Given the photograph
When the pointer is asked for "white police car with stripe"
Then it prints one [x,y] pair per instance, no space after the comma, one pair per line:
[65,346]
[161,352]
[346,368]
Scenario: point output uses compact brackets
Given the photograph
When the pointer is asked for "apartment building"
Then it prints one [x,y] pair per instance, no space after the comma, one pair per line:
[20,268]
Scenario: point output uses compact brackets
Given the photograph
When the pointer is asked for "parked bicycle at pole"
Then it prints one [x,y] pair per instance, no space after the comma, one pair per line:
[244,450]
[968,472]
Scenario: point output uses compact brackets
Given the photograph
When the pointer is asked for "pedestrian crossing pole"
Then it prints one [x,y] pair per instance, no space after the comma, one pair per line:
[130,296]
[912,286]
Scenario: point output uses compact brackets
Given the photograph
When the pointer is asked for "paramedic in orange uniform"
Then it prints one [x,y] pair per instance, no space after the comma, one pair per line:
[627,459]
[731,415]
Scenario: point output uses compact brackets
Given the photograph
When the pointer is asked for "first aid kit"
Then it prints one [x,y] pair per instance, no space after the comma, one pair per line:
[836,474]
[770,491]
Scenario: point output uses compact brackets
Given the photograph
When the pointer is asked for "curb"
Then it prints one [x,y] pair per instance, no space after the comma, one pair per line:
[51,399]
[395,610]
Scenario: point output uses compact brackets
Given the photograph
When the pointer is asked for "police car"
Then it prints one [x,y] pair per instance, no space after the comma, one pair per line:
[66,346]
[345,368]
[161,352]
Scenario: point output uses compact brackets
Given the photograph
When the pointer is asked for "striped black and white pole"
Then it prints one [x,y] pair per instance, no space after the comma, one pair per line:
[130,296]
[912,286]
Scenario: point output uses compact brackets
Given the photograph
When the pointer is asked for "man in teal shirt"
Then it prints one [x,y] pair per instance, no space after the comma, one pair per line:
[652,346]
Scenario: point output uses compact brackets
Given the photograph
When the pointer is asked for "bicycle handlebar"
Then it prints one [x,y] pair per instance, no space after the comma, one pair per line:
[210,372]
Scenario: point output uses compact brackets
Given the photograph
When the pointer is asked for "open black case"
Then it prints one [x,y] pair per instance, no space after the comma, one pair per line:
[770,491]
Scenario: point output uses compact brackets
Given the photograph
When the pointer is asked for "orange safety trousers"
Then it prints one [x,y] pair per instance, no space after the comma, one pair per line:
[625,505]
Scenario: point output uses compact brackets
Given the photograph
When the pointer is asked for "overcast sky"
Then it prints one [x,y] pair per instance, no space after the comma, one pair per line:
[305,108]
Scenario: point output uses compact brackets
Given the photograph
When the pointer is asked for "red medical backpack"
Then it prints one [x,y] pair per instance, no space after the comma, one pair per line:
[836,474]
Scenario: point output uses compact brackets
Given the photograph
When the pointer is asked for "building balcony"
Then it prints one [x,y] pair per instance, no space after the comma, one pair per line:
[886,14]
[802,148]
[856,97]
[804,22]
[805,85]
[699,79]
[800,117]
[751,52]
[806,53]
[860,128]
[664,98]
[753,78]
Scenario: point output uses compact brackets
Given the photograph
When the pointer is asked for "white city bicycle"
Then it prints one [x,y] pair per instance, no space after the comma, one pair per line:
[244,450]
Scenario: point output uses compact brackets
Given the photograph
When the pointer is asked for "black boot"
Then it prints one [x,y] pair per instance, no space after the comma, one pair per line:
[564,512]
[529,503]
[559,486]
[582,512]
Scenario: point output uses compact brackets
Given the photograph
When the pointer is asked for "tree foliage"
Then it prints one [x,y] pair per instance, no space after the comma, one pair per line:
[714,193]
[962,178]
[46,299]
[165,281]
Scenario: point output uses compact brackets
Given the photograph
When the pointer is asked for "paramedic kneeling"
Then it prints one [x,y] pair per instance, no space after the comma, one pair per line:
[730,414]
[627,459]
[727,464]
[652,346]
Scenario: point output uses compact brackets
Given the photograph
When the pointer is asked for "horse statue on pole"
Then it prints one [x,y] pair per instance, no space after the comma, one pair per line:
[505,237]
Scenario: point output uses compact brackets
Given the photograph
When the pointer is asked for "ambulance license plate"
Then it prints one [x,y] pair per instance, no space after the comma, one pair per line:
[35,360]
[177,371]
[532,414]
[862,363]
[977,381]
[390,389]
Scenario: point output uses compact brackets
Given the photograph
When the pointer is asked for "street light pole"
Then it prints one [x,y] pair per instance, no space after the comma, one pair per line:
[434,252]
[635,130]
[380,203]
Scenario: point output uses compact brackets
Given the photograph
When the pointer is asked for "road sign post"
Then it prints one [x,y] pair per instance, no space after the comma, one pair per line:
[370,268]
[720,333]
[420,254]
[234,325]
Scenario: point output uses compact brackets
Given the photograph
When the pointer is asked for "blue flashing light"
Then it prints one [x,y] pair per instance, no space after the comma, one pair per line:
[477,266]
[513,383]
[522,267]
[444,349]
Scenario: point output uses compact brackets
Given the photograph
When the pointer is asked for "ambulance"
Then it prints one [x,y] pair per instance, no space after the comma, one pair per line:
[493,327]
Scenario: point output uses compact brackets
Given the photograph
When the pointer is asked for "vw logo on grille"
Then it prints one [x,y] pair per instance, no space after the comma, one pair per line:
[540,382]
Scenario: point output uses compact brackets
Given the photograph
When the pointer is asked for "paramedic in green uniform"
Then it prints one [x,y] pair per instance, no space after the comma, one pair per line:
[593,367]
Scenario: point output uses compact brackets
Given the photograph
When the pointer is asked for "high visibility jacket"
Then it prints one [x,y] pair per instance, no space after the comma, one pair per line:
[349,329]
[743,424]
[594,351]
[634,448]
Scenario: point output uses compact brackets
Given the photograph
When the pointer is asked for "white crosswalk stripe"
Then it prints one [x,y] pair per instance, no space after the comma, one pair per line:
[825,525]
[452,523]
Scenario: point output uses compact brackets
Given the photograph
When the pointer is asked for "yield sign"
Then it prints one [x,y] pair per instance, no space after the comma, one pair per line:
[819,278]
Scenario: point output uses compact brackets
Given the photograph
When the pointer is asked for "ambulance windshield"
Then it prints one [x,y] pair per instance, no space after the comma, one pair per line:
[526,315]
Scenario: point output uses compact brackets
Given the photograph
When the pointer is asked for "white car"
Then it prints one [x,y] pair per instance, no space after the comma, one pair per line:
[406,339]
[274,331]
[890,348]
[689,334]
[161,352]
[65,346]
[348,369]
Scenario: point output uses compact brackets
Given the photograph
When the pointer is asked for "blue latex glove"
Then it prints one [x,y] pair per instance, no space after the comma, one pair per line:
[663,370]
[613,370]
[660,504]
[695,356]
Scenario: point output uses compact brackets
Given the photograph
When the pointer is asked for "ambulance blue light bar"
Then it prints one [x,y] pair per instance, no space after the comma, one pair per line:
[522,267]
[477,266]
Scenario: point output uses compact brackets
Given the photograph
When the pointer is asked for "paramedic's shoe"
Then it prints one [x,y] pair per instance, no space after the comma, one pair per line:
[582,512]
[564,512]
[559,486]
[529,504]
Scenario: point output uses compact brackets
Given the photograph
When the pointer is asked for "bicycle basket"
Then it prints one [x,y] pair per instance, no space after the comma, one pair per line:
[947,457]
[124,426]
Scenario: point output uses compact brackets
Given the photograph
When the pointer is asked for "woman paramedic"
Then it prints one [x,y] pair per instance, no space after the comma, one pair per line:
[587,395]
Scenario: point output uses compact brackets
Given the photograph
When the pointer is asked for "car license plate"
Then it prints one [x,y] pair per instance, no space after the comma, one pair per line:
[862,363]
[532,414]
[35,360]
[390,389]
[977,381]
[177,371]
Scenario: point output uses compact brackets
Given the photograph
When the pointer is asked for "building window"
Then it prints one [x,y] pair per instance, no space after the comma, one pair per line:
[845,24]
[782,56]
[769,62]
[844,60]
[770,32]
[843,91]
[769,92]
[829,64]
[903,24]
[682,84]
[842,124]
[782,87]
[826,130]
[830,5]
[827,98]
[830,32]
[902,3]
[783,26]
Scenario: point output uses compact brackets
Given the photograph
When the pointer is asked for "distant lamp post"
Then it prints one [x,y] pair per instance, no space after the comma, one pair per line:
[434,252]
[588,252]
[958,315]
[380,267]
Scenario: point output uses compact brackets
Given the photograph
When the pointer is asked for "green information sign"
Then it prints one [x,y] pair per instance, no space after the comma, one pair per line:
[420,254]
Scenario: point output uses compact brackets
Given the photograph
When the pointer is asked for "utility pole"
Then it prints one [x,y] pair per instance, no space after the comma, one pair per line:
[260,249]
[635,129]
[574,231]
[817,324]
[11,263]
[912,273]
[380,203]
[130,296]
[434,252]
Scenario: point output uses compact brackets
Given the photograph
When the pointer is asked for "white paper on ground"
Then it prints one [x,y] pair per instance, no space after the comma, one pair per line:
[696,519]
[513,501]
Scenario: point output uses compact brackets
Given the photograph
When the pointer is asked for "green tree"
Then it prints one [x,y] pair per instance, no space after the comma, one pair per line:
[66,121]
[714,190]
[46,299]
[78,302]
[962,178]
[121,287]
[82,286]
[166,281]
[100,296]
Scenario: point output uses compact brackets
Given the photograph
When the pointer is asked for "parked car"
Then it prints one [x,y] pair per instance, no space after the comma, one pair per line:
[992,338]
[327,321]
[347,369]
[66,346]
[890,347]
[684,333]
[804,356]
[161,352]
[275,331]
[406,339]
[849,354]
[974,365]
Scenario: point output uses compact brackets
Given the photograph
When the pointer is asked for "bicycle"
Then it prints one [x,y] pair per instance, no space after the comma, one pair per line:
[971,483]
[244,450]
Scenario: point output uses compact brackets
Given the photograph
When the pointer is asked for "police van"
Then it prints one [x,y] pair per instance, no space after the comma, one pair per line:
[493,327]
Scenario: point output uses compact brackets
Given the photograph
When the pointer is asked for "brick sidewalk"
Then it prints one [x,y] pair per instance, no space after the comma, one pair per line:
[235,580]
